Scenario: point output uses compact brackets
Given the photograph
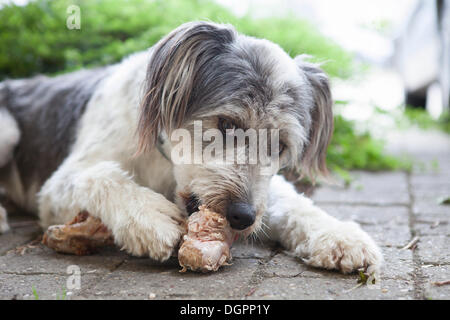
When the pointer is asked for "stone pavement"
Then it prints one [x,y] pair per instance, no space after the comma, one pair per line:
[394,207]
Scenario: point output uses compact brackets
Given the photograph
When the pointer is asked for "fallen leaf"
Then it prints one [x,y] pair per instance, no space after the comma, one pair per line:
[444,200]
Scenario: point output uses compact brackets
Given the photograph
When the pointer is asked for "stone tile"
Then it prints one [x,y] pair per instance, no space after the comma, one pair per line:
[426,147]
[423,182]
[428,190]
[47,286]
[398,264]
[252,249]
[138,278]
[23,230]
[368,188]
[436,274]
[431,226]
[283,265]
[331,289]
[434,249]
[430,209]
[389,235]
[44,260]
[387,225]
[369,215]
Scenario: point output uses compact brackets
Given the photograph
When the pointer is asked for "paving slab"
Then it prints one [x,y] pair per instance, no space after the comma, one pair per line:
[398,264]
[39,287]
[427,226]
[369,215]
[144,279]
[379,188]
[254,249]
[433,275]
[434,249]
[388,225]
[331,289]
[286,266]
[24,229]
[42,260]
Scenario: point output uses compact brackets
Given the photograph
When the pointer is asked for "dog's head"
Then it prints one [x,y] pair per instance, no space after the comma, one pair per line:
[209,75]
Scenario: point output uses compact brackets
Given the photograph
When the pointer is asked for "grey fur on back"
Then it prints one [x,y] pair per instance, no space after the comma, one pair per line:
[47,110]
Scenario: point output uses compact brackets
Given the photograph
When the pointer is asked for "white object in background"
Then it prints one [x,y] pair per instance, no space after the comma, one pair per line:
[434,100]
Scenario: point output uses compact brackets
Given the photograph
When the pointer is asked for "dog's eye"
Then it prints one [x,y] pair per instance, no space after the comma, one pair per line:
[226,126]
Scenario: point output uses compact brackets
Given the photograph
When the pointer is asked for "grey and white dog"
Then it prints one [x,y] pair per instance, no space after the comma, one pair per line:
[93,140]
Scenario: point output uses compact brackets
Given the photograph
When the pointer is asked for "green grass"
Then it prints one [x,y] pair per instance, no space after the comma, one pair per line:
[63,295]
[35,294]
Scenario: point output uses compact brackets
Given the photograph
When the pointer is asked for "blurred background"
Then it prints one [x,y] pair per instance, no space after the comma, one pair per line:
[389,61]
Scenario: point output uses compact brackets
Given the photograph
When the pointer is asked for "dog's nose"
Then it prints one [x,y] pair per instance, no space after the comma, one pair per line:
[241,215]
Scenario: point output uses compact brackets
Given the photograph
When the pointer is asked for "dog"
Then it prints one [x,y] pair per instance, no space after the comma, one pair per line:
[97,141]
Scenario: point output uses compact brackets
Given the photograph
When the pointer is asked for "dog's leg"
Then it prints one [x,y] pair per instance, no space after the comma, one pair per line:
[9,138]
[142,221]
[320,239]
[4,227]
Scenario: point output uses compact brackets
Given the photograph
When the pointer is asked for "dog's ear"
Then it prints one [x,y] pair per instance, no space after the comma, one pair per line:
[314,156]
[173,71]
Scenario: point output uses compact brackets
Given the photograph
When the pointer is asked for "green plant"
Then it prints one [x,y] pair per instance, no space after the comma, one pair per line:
[35,38]
[35,294]
[63,296]
[350,149]
[423,120]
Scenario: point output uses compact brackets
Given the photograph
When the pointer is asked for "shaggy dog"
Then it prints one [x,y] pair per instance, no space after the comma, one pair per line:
[97,141]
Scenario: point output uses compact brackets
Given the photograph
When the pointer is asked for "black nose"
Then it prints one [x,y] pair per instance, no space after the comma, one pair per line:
[240,215]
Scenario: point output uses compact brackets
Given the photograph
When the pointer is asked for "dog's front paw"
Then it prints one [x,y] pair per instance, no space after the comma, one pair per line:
[155,234]
[344,247]
[4,226]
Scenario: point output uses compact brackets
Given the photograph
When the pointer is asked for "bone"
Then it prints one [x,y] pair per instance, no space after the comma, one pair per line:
[206,246]
[83,235]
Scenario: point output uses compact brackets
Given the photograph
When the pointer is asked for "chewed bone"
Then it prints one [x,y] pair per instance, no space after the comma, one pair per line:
[206,246]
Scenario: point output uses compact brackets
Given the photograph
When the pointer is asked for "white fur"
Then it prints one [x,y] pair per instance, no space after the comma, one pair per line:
[9,137]
[322,240]
[4,227]
[97,177]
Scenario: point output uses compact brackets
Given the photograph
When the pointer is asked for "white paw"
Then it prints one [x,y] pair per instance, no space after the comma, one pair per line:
[154,233]
[344,247]
[4,226]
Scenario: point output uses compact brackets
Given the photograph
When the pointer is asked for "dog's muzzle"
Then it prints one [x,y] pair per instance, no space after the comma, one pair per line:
[240,215]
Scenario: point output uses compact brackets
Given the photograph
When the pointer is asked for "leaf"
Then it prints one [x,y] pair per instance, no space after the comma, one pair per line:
[36,296]
[362,277]
[444,200]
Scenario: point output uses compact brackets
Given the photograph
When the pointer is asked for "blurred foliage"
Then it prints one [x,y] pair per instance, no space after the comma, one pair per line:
[34,39]
[422,119]
[352,150]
